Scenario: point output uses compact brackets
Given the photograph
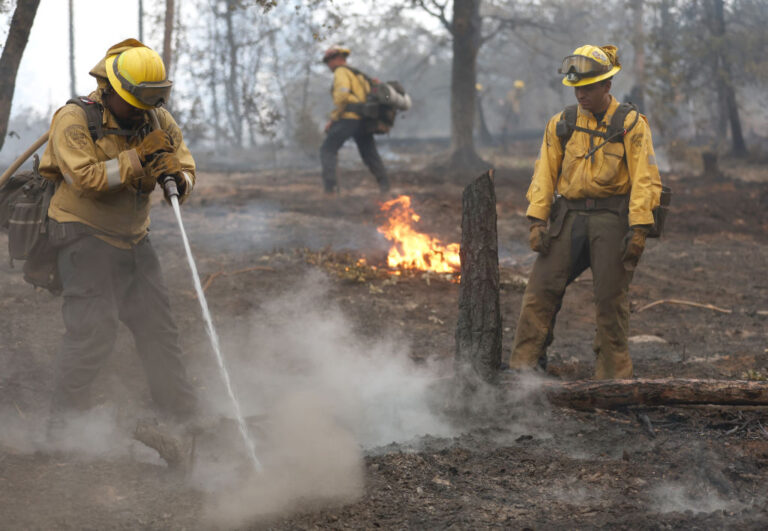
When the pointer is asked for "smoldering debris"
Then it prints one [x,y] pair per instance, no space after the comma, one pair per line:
[672,497]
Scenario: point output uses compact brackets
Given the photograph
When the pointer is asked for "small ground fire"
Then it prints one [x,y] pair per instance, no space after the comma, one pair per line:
[412,249]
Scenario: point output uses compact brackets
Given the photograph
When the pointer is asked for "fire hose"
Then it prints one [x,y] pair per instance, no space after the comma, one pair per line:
[23,158]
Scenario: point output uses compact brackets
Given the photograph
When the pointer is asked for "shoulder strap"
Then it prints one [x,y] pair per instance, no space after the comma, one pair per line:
[358,73]
[567,124]
[616,130]
[93,114]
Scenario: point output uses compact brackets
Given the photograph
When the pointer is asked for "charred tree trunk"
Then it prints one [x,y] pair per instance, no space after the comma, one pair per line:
[18,35]
[725,80]
[609,394]
[466,29]
[478,330]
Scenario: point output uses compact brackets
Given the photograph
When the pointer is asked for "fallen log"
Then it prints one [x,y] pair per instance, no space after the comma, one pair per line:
[611,394]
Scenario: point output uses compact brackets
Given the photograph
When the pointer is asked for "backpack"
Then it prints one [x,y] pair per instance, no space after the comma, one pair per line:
[614,133]
[382,102]
[24,200]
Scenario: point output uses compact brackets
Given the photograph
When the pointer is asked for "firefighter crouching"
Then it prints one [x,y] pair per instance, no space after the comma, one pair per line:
[349,88]
[604,180]
[106,160]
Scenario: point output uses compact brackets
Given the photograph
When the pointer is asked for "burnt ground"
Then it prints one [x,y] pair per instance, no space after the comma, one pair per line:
[354,451]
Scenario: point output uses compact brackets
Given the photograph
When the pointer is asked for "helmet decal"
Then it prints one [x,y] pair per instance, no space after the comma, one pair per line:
[599,56]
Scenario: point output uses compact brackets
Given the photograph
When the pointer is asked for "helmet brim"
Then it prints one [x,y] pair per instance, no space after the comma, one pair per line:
[591,80]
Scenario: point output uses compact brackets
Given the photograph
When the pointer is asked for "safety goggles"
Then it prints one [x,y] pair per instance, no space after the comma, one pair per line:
[577,67]
[151,93]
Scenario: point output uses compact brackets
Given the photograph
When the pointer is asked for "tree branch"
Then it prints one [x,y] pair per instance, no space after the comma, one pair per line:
[437,10]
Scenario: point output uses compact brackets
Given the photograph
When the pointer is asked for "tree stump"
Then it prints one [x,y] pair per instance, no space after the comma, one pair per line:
[478,330]
[709,160]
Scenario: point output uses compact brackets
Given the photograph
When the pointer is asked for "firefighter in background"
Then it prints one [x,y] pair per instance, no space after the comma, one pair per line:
[512,104]
[349,88]
[106,170]
[604,193]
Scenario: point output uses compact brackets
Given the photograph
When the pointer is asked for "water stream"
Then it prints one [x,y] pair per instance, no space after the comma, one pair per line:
[215,340]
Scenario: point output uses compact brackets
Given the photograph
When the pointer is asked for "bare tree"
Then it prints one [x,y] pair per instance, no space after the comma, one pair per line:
[466,32]
[233,98]
[141,20]
[638,63]
[168,34]
[72,78]
[724,77]
[18,35]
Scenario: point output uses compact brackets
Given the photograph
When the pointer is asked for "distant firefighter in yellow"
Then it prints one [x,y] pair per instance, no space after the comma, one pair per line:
[349,90]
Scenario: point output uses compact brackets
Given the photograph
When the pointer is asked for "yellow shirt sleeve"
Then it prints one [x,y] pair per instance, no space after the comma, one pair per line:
[645,191]
[545,172]
[74,151]
[182,151]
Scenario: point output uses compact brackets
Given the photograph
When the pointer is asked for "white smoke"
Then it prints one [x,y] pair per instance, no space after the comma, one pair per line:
[323,395]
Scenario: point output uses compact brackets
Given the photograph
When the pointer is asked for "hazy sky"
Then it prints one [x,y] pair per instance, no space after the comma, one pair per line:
[43,78]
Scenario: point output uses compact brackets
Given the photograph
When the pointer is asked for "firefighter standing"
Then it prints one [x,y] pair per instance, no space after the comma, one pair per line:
[604,194]
[349,88]
[99,219]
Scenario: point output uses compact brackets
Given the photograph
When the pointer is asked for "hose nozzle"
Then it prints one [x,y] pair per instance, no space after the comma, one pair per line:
[169,186]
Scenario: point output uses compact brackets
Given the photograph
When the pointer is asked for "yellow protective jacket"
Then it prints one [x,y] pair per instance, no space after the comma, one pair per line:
[348,87]
[95,177]
[616,168]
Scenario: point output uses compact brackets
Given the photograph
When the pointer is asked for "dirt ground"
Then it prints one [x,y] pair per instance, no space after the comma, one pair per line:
[288,298]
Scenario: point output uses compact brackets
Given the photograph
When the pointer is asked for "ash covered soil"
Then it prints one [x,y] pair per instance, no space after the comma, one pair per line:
[342,371]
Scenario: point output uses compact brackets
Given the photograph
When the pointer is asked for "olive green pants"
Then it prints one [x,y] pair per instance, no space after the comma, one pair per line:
[587,239]
[104,285]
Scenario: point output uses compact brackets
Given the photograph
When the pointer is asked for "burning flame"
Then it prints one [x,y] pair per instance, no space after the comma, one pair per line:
[412,249]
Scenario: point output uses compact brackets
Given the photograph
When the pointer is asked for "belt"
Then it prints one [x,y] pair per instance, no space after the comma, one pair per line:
[614,202]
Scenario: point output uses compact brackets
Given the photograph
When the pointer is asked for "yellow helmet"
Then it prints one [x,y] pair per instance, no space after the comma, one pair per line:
[519,84]
[138,76]
[333,51]
[589,64]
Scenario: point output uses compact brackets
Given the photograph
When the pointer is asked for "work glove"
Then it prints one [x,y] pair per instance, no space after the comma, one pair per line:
[144,183]
[634,246]
[158,141]
[162,165]
[538,237]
